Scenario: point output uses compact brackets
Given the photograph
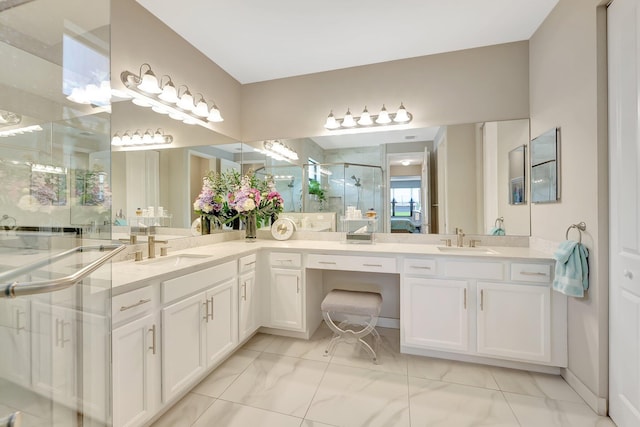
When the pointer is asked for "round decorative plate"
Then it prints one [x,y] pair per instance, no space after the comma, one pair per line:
[282,228]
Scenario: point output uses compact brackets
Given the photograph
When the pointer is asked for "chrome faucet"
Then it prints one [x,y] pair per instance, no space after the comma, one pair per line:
[152,245]
[132,240]
[459,237]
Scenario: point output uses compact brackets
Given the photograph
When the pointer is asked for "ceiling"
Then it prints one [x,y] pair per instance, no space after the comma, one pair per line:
[257,40]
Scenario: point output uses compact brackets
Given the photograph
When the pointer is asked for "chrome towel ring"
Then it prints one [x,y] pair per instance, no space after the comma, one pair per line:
[581,226]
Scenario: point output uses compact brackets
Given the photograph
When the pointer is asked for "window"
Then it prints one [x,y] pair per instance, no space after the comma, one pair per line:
[405,197]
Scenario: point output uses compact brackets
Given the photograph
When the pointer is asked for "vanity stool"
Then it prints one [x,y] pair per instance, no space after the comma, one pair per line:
[365,305]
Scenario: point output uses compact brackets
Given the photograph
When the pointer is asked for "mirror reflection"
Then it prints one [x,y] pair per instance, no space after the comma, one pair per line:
[433,180]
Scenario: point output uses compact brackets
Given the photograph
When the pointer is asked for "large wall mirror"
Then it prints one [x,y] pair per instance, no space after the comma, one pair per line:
[430,180]
[156,187]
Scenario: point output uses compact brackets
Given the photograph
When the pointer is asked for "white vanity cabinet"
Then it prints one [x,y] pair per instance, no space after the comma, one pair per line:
[286,296]
[199,330]
[500,309]
[247,303]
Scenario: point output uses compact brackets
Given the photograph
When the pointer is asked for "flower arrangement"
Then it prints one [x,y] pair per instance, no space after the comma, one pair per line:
[228,196]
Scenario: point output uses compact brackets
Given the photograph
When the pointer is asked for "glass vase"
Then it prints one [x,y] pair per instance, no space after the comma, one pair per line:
[251,227]
[205,225]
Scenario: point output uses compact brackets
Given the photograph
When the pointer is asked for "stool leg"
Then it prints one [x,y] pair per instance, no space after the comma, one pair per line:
[370,350]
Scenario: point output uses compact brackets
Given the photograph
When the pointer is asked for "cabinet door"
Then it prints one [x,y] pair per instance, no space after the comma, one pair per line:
[247,305]
[286,299]
[135,355]
[514,321]
[221,321]
[183,344]
[15,330]
[54,352]
[435,313]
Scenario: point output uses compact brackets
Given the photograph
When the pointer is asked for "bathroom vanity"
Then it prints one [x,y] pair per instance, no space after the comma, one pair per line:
[177,318]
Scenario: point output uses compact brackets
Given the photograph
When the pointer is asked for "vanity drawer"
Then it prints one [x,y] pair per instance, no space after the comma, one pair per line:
[523,272]
[419,267]
[247,263]
[352,263]
[189,283]
[285,259]
[474,270]
[131,304]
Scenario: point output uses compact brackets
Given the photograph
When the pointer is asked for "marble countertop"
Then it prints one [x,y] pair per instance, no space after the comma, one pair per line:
[185,261]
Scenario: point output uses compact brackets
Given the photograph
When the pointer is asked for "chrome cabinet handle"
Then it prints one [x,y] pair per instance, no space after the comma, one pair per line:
[153,339]
[250,263]
[372,265]
[297,285]
[244,291]
[18,327]
[481,299]
[327,262]
[128,307]
[465,298]
[211,314]
[421,267]
[60,340]
[206,310]
[532,273]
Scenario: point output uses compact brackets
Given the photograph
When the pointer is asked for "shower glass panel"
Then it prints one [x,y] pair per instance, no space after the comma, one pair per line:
[336,187]
[54,197]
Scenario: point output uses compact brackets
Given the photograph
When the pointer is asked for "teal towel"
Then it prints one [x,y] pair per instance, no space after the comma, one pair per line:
[497,231]
[572,269]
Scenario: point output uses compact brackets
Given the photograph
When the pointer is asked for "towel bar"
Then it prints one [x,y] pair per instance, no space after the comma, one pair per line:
[581,226]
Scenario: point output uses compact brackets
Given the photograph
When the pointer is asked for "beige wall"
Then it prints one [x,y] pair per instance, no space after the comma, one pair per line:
[568,89]
[476,85]
[138,37]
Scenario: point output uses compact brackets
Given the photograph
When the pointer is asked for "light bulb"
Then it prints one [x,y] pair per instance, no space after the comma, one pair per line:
[147,138]
[365,118]
[149,82]
[214,114]
[136,138]
[331,122]
[383,117]
[186,101]
[401,116]
[169,93]
[202,109]
[348,121]
[158,137]
[116,140]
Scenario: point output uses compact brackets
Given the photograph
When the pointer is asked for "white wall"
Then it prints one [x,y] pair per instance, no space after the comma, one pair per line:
[568,89]
[442,89]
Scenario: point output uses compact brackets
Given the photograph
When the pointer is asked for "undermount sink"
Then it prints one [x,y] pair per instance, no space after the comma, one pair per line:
[177,260]
[466,250]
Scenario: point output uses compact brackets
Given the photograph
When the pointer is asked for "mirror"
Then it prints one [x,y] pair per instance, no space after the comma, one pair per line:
[545,153]
[435,179]
[157,187]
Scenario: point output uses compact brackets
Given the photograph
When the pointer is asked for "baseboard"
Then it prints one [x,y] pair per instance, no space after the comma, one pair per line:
[597,403]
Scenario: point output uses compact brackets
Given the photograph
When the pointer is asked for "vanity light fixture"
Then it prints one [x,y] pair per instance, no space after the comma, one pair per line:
[278,151]
[20,131]
[163,98]
[383,118]
[149,138]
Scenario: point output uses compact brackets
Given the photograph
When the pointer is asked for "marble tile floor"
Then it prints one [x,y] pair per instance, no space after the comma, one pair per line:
[279,382]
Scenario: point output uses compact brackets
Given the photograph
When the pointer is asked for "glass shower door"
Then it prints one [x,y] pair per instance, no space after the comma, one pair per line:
[54,197]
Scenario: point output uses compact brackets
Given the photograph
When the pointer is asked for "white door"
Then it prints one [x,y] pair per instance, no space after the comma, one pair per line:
[221,317]
[514,321]
[624,273]
[435,313]
[286,298]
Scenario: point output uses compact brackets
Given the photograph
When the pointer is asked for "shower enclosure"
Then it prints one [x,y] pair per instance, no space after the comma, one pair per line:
[330,188]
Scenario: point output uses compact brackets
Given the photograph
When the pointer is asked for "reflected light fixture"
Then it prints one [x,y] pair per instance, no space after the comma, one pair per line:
[278,151]
[20,131]
[383,118]
[149,138]
[163,98]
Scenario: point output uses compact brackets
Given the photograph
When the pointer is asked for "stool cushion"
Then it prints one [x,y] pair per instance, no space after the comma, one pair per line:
[352,302]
